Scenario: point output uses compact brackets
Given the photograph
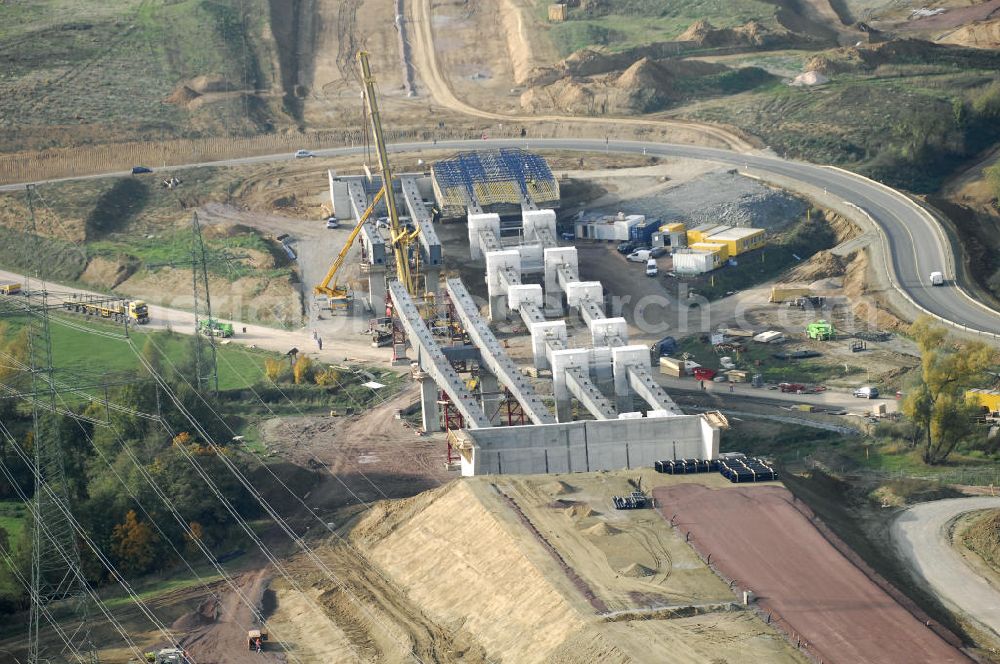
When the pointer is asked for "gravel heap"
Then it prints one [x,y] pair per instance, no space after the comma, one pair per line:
[722,198]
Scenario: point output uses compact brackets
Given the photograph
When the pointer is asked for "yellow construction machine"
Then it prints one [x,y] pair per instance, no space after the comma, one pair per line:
[400,237]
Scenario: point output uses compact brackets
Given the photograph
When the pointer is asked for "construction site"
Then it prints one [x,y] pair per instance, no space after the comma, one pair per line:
[463,385]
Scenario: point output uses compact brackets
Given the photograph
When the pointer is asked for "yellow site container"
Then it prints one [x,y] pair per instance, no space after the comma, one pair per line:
[740,240]
[989,399]
[718,248]
[672,367]
[675,227]
[787,294]
[701,233]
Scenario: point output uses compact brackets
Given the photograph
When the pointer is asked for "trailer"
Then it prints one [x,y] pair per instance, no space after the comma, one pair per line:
[117,310]
[9,288]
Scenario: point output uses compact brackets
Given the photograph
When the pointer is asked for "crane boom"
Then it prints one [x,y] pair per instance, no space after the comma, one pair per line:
[400,239]
[324,287]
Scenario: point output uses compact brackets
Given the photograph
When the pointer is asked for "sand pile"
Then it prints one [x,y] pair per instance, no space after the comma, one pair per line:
[981,34]
[108,273]
[181,96]
[635,571]
[579,511]
[499,581]
[703,33]
[822,265]
[601,529]
[558,488]
[809,78]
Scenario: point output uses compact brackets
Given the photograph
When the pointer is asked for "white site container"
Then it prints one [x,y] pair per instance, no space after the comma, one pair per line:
[694,262]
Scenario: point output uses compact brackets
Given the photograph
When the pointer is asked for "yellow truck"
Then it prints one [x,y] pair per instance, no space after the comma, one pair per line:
[9,288]
[988,400]
[117,310]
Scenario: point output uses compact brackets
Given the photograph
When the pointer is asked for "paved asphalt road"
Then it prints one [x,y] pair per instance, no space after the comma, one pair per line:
[921,537]
[916,242]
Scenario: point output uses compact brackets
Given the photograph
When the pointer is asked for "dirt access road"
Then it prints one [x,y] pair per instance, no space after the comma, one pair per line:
[426,63]
[761,537]
[831,399]
[348,346]
[922,537]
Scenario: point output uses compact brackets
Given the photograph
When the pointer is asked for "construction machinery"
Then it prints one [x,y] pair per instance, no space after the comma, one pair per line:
[9,288]
[168,656]
[212,327]
[339,297]
[401,237]
[116,309]
[820,330]
[256,638]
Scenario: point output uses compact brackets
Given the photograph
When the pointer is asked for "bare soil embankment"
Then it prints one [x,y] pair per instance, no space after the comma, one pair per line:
[542,569]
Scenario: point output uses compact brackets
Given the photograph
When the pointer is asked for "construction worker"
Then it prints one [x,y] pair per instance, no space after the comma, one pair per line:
[256,643]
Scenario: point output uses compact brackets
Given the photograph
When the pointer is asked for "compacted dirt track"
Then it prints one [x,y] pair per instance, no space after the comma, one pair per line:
[757,536]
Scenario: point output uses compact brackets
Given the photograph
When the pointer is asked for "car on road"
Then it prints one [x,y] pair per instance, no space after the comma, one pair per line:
[651,268]
[866,392]
[304,154]
[568,236]
[626,248]
[138,170]
[331,222]
[936,279]
[656,252]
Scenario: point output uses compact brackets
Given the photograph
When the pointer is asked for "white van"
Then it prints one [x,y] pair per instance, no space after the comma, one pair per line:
[651,269]
[937,279]
[639,256]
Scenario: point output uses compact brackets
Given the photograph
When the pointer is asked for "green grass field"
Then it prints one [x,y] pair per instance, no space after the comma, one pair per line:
[79,354]
[900,122]
[632,23]
[79,72]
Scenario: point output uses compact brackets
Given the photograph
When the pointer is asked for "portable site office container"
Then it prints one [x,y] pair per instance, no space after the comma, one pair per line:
[703,232]
[740,240]
[695,262]
[642,233]
[613,229]
[718,248]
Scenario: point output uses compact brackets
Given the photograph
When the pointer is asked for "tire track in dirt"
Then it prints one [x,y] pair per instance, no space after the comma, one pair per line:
[347,46]
[392,629]
[425,60]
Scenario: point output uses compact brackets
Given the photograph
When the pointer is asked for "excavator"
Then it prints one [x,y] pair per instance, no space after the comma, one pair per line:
[400,236]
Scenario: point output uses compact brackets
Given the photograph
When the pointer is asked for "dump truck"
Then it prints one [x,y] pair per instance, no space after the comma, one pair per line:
[787,294]
[255,635]
[9,288]
[820,330]
[215,328]
[117,310]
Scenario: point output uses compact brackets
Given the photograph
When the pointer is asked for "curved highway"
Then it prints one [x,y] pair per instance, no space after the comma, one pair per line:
[912,239]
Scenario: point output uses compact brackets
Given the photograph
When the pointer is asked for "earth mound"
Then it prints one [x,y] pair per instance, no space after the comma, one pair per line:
[703,33]
[602,529]
[558,488]
[636,571]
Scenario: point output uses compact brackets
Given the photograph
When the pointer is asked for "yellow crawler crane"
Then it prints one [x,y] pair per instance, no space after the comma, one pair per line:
[400,238]
[340,297]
